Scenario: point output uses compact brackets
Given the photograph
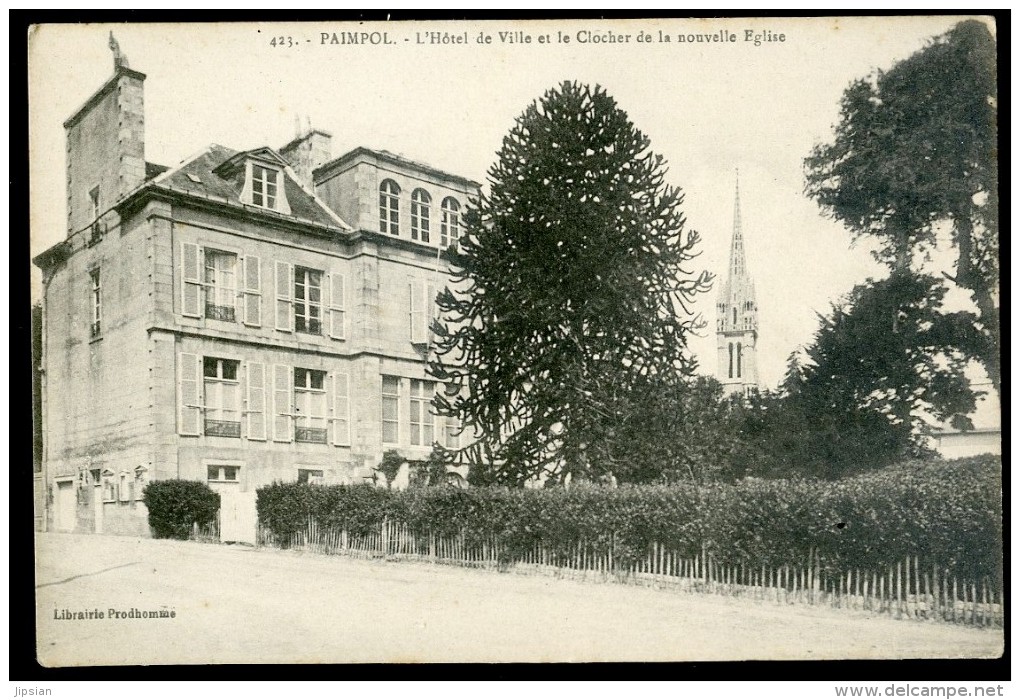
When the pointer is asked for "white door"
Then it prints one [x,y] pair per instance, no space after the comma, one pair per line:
[238,517]
[97,505]
[66,504]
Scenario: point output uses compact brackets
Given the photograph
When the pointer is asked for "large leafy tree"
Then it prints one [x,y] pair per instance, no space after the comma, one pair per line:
[916,150]
[686,432]
[573,292]
[882,364]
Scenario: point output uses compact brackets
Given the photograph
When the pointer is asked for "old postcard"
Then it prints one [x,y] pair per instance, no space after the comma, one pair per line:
[242,237]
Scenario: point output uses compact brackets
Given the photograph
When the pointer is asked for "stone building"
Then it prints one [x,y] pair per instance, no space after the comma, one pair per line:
[241,318]
[737,318]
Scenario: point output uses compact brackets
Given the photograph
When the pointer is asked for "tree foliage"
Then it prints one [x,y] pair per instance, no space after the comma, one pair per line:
[883,363]
[916,149]
[574,288]
[685,432]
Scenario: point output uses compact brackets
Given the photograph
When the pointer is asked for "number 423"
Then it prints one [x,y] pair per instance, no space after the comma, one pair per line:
[282,41]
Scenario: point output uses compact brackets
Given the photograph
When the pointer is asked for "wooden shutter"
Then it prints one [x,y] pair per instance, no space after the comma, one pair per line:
[284,296]
[417,314]
[256,401]
[191,280]
[341,408]
[252,290]
[283,378]
[336,306]
[433,309]
[189,389]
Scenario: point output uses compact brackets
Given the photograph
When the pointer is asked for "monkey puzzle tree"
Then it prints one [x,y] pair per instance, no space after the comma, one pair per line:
[573,288]
[916,148]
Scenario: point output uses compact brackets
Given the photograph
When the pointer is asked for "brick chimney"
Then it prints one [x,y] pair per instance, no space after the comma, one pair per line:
[307,152]
[105,146]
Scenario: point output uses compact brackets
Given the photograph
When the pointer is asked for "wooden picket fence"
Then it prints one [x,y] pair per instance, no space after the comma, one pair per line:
[908,590]
[209,532]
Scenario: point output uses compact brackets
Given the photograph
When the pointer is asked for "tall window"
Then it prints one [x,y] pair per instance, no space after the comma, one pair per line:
[307,300]
[422,422]
[220,285]
[421,211]
[390,409]
[449,228]
[309,405]
[264,186]
[389,208]
[452,432]
[731,361]
[738,360]
[94,202]
[222,397]
[97,304]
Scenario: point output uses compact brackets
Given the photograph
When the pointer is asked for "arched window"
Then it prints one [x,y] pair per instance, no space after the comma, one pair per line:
[449,230]
[731,360]
[421,212]
[738,360]
[389,207]
[734,315]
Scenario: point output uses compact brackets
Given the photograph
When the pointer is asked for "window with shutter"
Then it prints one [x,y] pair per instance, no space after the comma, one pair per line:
[309,405]
[252,290]
[222,394]
[189,373]
[220,284]
[337,321]
[282,412]
[341,409]
[256,401]
[284,300]
[307,300]
[191,280]
[417,314]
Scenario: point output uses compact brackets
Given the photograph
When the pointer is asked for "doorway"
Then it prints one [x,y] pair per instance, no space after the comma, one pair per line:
[66,505]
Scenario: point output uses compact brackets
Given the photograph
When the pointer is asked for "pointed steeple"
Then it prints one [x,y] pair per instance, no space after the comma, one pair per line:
[737,325]
[737,262]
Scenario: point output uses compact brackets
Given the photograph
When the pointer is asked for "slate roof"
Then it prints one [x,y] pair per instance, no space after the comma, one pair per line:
[198,176]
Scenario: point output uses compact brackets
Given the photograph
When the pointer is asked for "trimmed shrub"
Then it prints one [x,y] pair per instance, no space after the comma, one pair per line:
[176,505]
[947,513]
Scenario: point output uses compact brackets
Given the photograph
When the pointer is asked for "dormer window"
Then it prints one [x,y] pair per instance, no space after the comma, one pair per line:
[264,187]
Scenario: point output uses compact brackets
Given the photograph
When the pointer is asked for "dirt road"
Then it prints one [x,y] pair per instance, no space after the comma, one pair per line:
[239,605]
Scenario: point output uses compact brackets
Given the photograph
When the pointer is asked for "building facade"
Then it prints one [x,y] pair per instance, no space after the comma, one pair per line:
[242,318]
[737,318]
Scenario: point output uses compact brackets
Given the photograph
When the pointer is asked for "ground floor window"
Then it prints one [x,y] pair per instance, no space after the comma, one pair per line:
[223,473]
[310,476]
[391,410]
[422,420]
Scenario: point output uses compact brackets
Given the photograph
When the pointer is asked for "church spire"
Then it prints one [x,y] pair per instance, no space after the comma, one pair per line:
[737,325]
[738,265]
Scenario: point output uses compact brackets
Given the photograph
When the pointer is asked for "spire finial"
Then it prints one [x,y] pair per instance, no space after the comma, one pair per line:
[119,59]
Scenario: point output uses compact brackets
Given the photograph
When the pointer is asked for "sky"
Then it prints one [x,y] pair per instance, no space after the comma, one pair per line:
[708,108]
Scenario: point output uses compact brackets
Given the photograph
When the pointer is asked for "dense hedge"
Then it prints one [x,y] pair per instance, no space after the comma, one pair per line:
[176,505]
[946,512]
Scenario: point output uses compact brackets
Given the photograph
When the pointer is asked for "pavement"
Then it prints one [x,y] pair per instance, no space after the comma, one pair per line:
[167,602]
